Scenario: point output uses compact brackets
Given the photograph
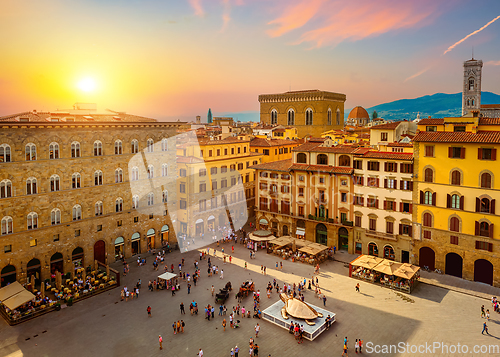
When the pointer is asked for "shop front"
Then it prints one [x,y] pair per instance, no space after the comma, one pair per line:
[56,264]
[8,275]
[135,242]
[77,258]
[150,236]
[34,272]
[199,228]
[164,235]
[119,244]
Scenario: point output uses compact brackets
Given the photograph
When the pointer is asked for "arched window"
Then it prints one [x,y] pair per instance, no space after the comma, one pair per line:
[119,205]
[7,224]
[151,171]
[301,158]
[373,249]
[389,252]
[5,189]
[329,118]
[75,149]
[484,229]
[76,180]
[150,199]
[98,178]
[471,85]
[31,188]
[309,117]
[428,198]
[54,151]
[164,170]
[428,175]
[30,151]
[98,208]
[134,174]
[291,117]
[77,212]
[274,117]
[322,211]
[468,102]
[322,159]
[427,221]
[32,220]
[456,177]
[4,153]
[344,160]
[337,119]
[485,180]
[118,175]
[54,183]
[118,147]
[454,224]
[455,201]
[485,205]
[165,196]
[473,102]
[55,216]
[150,145]
[164,144]
[135,201]
[97,148]
[134,146]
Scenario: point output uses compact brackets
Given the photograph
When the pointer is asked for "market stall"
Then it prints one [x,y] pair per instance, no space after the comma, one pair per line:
[166,280]
[259,239]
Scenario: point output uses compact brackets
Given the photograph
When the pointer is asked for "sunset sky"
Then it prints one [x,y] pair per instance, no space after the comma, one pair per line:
[174,59]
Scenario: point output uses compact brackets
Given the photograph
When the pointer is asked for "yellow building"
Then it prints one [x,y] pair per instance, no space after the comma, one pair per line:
[456,189]
[341,137]
[312,112]
[287,133]
[273,149]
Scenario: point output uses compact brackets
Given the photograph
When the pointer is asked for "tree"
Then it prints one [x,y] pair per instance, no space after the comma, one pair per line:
[209,116]
[374,114]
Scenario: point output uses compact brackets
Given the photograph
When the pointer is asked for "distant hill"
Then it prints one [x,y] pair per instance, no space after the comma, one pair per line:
[438,105]
[242,116]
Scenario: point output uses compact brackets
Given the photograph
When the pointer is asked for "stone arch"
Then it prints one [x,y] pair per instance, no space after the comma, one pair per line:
[301,158]
[450,178]
[450,218]
[427,257]
[343,243]
[453,264]
[321,234]
[425,170]
[483,271]
[389,252]
[8,275]
[424,213]
[492,178]
[373,249]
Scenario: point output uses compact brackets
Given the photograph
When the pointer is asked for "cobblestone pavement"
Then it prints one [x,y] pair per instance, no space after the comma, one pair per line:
[104,326]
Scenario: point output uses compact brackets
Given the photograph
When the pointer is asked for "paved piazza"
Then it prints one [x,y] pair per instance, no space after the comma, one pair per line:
[104,326]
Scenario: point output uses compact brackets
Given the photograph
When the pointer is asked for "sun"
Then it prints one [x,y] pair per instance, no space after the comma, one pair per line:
[87,85]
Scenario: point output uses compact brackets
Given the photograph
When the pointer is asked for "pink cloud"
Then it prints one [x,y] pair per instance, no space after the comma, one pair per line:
[338,21]
[492,63]
[198,9]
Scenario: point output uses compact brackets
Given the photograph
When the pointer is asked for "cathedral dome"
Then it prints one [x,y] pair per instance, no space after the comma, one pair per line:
[358,113]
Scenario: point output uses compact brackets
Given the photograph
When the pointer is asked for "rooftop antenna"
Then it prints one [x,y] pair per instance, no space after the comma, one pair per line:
[472,52]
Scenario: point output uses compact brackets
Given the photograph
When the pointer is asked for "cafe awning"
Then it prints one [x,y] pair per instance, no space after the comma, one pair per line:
[387,267]
[313,248]
[167,276]
[367,261]
[10,290]
[407,271]
[17,300]
[261,236]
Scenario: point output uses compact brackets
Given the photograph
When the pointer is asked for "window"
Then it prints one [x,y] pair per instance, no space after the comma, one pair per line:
[134,146]
[182,204]
[240,166]
[454,224]
[182,188]
[301,191]
[247,177]
[4,153]
[98,208]
[7,248]
[77,212]
[390,205]
[232,167]
[223,169]
[487,154]
[55,216]
[484,229]
[99,228]
[372,182]
[389,227]
[97,148]
[55,237]
[30,151]
[485,205]
[383,136]
[118,147]
[223,183]
[454,240]
[406,168]
[213,171]
[431,128]
[209,152]
[406,185]
[373,224]
[164,144]
[232,151]
[53,151]
[459,128]
[33,243]
[390,167]
[203,187]
[309,117]
[373,165]
[329,117]
[358,200]
[358,180]
[239,149]
[150,145]
[372,202]
[427,220]
[134,174]
[5,189]
[31,188]
[182,172]
[77,233]
[428,175]
[164,197]
[484,246]
[7,225]
[405,207]
[456,152]
[357,221]
[202,172]
[321,180]
[151,171]
[485,180]
[118,224]
[345,160]
[358,164]
[98,178]
[301,177]
[32,220]
[429,151]
[164,170]
[343,197]
[135,201]
[471,84]
[291,117]
[151,197]
[337,116]
[202,205]
[390,183]
[301,158]
[136,219]
[214,184]
[118,205]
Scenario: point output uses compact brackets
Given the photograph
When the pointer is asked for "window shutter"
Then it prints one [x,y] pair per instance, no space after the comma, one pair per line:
[479,154]
[385,183]
[376,203]
[362,181]
[478,204]
[448,201]
[411,208]
[400,206]
[491,230]
[490,247]
[385,205]
[477,243]
[462,153]
[450,151]
[282,189]
[434,199]
[493,154]
[401,184]
[476,230]
[421,197]
[462,202]
[378,184]
[492,207]
[362,201]
[410,231]
[385,166]
[400,228]
[411,185]
[395,184]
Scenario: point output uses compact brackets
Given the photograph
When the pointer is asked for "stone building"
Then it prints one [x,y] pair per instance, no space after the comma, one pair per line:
[273,149]
[78,187]
[312,112]
[471,93]
[358,116]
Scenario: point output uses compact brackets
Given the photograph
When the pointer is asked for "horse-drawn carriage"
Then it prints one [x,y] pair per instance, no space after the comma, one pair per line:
[223,294]
[245,289]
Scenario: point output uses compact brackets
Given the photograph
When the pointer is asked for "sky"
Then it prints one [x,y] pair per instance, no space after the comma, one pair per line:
[174,59]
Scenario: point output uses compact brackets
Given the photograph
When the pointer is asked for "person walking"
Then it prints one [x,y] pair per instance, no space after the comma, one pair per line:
[488,315]
[174,327]
[276,265]
[245,265]
[160,340]
[357,287]
[485,328]
[149,311]
[224,324]
[281,265]
[356,346]
[344,351]
[189,288]
[360,342]
[482,311]
[182,326]
[222,274]
[265,270]
[257,329]
[200,353]
[213,290]
[182,308]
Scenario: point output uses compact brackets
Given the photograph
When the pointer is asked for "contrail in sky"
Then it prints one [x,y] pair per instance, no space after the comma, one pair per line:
[471,34]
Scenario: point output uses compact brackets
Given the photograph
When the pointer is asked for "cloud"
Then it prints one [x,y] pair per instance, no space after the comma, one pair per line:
[417,74]
[471,34]
[198,9]
[226,15]
[492,63]
[337,21]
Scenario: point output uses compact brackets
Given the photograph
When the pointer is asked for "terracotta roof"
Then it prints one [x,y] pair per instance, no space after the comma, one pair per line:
[490,106]
[230,140]
[79,117]
[387,126]
[271,142]
[358,113]
[431,121]
[282,165]
[404,145]
[389,155]
[340,149]
[189,160]
[489,121]
[322,168]
[458,137]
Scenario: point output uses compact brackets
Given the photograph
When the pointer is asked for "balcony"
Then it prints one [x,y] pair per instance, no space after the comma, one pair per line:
[347,223]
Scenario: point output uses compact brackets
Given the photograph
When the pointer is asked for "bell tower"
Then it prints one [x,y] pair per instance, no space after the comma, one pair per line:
[471,95]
